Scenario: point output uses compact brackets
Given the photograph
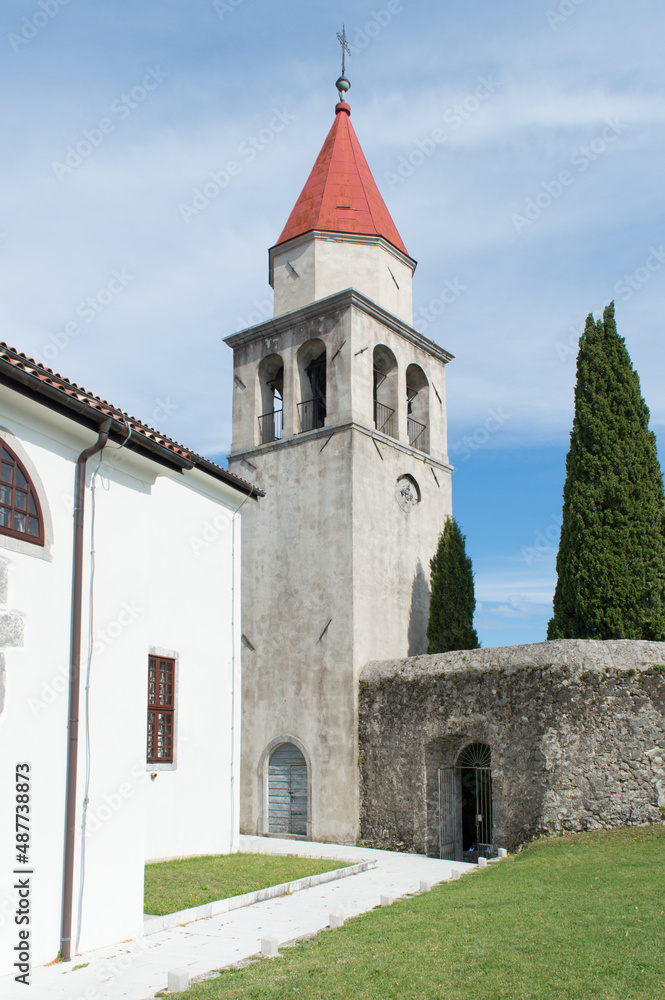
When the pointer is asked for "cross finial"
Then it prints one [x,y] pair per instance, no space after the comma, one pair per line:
[345,48]
[343,84]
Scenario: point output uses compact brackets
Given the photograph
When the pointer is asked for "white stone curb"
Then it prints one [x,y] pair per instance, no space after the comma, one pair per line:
[153,925]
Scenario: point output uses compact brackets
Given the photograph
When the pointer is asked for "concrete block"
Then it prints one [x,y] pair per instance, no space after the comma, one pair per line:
[336,920]
[503,853]
[426,886]
[454,873]
[269,946]
[387,900]
[178,980]
[482,862]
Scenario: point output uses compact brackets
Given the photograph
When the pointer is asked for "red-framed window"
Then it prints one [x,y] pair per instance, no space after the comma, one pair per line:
[161,709]
[20,511]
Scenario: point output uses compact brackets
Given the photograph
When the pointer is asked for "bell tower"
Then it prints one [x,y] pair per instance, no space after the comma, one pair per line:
[339,415]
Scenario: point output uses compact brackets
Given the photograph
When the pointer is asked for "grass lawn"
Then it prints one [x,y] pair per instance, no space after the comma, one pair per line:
[177,885]
[571,918]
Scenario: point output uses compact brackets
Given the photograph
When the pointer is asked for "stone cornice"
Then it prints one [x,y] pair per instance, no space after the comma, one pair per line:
[346,299]
[328,432]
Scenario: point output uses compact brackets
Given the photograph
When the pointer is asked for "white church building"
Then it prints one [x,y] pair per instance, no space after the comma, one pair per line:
[119,661]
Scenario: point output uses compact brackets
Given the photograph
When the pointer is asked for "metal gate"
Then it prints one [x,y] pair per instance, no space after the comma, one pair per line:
[447,813]
[465,805]
[287,791]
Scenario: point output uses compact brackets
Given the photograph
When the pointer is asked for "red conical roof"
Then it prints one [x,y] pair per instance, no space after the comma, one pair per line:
[341,195]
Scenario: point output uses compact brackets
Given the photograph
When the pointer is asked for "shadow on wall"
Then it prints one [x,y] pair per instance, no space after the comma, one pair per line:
[419,613]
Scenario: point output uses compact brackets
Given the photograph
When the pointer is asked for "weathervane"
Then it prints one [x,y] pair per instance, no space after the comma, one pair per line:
[343,84]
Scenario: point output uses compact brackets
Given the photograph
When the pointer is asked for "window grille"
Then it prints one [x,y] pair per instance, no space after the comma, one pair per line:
[20,512]
[161,709]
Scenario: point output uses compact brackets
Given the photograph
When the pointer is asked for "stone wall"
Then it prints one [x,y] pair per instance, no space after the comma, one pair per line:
[11,627]
[576,730]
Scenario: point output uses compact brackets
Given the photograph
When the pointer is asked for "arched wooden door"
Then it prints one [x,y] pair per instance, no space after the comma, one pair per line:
[287,791]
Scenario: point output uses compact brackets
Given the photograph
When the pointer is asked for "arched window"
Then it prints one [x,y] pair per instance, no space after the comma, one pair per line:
[385,391]
[271,378]
[312,371]
[417,407]
[20,511]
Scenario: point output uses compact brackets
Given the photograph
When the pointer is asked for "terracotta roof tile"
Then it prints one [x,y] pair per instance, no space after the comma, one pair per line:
[341,195]
[139,431]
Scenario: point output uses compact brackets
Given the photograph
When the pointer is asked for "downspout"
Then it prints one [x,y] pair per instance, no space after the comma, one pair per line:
[233,657]
[74,689]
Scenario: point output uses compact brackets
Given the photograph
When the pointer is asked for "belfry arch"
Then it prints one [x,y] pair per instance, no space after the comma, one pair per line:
[271,387]
[312,378]
[385,391]
[417,408]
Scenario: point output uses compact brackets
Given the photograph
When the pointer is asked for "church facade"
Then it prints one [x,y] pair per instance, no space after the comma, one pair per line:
[340,417]
[119,661]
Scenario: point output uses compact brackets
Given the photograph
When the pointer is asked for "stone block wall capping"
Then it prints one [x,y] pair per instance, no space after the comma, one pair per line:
[269,947]
[178,980]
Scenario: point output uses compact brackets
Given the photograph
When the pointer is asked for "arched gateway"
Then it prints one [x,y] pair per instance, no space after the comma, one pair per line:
[465,805]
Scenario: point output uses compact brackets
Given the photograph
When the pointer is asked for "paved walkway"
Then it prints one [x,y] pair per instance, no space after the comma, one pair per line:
[136,970]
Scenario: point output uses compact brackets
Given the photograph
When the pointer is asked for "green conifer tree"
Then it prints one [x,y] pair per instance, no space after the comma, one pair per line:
[611,559]
[452,600]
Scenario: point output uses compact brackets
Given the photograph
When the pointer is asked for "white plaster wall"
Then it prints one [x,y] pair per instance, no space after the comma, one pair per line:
[164,571]
[316,266]
[34,721]
[192,810]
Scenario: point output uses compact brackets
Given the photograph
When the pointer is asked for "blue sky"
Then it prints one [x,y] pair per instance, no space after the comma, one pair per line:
[543,202]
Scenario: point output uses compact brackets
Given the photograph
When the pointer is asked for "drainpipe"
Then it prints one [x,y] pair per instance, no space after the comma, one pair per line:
[233,660]
[74,689]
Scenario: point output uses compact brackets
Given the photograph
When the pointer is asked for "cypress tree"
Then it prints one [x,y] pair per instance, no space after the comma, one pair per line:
[611,559]
[452,600]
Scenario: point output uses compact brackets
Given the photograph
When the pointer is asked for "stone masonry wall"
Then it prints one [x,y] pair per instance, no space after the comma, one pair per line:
[576,730]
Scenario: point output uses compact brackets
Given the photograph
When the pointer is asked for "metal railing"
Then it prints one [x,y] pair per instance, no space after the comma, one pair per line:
[312,414]
[270,427]
[417,434]
[384,419]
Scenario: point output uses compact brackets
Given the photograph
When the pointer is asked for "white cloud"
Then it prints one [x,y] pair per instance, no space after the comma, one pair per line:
[193,283]
[518,606]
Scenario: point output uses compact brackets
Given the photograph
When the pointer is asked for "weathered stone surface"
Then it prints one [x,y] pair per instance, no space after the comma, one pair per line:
[11,629]
[576,729]
[332,566]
